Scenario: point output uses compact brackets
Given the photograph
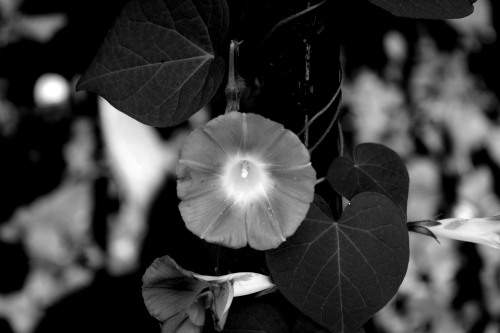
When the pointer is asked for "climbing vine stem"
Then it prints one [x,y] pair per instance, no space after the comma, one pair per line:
[341,139]
[332,122]
[290,18]
[326,107]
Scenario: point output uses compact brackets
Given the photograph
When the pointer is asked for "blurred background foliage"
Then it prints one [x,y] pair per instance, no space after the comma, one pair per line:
[88,194]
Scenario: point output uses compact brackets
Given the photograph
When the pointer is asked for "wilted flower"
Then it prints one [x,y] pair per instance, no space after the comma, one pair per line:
[244,179]
[178,298]
[484,230]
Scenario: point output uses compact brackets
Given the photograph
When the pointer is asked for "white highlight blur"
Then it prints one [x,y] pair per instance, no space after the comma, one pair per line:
[51,90]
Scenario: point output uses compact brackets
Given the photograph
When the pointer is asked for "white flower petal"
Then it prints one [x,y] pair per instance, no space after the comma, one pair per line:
[244,283]
[250,283]
[485,230]
[222,304]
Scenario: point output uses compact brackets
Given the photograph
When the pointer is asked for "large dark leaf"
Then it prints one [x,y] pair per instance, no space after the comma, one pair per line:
[305,325]
[341,273]
[158,63]
[255,317]
[427,9]
[374,168]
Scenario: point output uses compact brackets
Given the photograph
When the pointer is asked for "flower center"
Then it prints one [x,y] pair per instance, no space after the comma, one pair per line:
[244,180]
[244,169]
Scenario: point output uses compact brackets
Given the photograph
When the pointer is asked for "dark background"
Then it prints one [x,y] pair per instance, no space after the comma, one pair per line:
[427,89]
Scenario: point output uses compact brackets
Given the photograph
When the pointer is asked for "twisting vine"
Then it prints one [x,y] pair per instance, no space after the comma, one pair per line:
[325,108]
[290,18]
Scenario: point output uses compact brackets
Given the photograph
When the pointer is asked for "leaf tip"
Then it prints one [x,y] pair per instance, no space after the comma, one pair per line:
[80,84]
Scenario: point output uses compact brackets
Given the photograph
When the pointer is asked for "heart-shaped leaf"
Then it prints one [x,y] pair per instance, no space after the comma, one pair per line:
[158,63]
[427,9]
[374,168]
[341,273]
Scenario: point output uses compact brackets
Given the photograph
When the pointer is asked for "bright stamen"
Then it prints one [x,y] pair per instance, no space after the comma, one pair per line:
[244,179]
[244,169]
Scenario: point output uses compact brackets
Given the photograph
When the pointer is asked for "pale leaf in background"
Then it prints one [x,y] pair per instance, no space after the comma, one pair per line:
[40,28]
[139,161]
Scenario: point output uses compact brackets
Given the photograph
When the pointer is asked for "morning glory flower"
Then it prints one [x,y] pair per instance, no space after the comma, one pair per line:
[178,298]
[483,230]
[244,179]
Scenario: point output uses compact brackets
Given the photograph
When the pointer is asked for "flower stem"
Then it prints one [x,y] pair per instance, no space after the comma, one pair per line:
[306,134]
[320,180]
